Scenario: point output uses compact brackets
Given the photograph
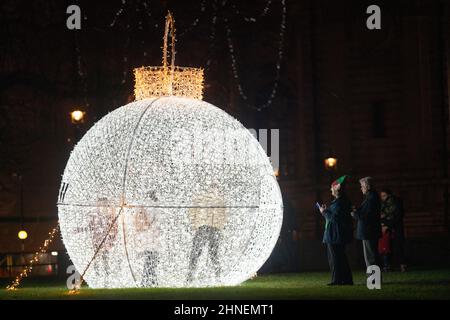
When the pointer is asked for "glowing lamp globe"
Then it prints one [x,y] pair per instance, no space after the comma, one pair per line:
[77,116]
[168,192]
[22,235]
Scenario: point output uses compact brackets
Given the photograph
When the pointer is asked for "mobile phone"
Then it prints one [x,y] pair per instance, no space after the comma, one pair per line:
[318,205]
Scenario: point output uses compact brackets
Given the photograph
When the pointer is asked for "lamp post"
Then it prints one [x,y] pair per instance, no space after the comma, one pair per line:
[77,118]
[330,163]
[22,234]
[331,166]
[277,173]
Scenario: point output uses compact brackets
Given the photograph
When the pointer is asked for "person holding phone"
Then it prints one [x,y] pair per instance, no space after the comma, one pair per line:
[338,233]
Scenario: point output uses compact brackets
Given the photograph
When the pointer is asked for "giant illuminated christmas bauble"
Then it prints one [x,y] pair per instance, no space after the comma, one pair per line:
[168,192]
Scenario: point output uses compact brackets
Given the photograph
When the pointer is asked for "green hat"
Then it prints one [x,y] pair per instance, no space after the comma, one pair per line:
[339,181]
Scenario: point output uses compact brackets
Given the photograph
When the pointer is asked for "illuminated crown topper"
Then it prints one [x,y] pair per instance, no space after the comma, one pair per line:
[168,80]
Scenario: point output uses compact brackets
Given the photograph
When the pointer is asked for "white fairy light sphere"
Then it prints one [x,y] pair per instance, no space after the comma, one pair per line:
[168,192]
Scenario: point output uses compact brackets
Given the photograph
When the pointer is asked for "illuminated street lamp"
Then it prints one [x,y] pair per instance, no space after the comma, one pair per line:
[277,173]
[330,163]
[22,235]
[77,116]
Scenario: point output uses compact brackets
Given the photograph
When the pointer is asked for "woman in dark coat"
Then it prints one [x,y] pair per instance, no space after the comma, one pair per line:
[392,214]
[338,233]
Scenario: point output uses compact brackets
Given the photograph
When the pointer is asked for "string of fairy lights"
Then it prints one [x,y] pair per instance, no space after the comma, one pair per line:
[237,12]
[143,7]
[255,18]
[212,35]
[194,23]
[37,255]
[81,71]
[234,67]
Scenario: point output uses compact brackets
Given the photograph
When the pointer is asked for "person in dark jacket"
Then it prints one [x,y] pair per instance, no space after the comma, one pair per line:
[338,233]
[392,214]
[368,228]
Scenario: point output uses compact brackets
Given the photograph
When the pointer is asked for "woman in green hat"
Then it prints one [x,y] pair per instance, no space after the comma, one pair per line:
[338,233]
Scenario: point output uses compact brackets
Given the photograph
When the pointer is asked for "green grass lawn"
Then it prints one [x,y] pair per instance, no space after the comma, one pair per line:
[419,284]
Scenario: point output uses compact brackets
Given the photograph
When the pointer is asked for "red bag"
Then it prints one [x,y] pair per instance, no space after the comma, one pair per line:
[384,244]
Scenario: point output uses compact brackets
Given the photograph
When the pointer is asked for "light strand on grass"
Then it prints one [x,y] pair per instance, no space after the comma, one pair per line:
[37,255]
